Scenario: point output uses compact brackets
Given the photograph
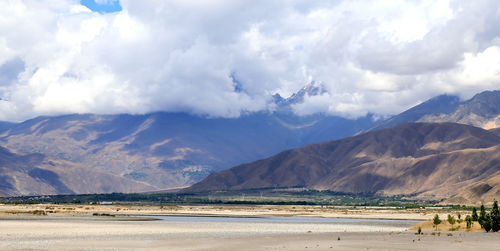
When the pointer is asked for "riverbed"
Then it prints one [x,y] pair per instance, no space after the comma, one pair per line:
[219,227]
[225,233]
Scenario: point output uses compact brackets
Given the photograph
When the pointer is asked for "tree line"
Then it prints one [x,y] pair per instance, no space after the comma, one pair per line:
[488,221]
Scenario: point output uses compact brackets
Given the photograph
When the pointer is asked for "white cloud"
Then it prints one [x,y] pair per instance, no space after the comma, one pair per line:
[372,56]
[482,68]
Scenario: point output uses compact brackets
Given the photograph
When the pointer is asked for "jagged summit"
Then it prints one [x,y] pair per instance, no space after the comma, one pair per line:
[284,105]
[311,89]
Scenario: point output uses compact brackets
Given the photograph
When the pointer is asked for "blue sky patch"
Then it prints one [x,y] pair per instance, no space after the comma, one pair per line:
[106,7]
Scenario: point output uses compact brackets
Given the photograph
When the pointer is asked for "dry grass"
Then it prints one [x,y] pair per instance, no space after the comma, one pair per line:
[445,226]
[225,210]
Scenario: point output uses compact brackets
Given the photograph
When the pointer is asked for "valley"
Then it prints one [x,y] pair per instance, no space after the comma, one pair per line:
[249,125]
[171,151]
[226,227]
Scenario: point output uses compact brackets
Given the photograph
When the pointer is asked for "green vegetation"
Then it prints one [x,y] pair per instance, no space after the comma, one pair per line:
[468,220]
[491,221]
[452,221]
[419,231]
[436,221]
[495,217]
[474,217]
[269,196]
[484,219]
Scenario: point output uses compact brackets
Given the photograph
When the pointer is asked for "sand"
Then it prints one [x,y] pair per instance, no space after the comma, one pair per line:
[62,234]
[226,210]
[72,230]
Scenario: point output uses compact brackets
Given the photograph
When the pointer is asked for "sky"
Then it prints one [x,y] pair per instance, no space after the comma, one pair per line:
[226,58]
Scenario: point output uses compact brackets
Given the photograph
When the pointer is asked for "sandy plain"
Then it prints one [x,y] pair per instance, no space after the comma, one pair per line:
[77,227]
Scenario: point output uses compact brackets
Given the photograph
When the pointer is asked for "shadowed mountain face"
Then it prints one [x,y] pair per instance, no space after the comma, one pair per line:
[166,150]
[432,160]
[481,192]
[443,104]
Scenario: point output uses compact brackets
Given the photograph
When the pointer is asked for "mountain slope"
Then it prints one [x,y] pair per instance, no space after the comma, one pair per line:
[443,104]
[166,150]
[481,192]
[32,174]
[482,110]
[433,160]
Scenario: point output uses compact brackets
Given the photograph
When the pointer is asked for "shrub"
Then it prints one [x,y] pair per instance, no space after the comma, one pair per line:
[419,231]
[468,220]
[38,212]
[451,220]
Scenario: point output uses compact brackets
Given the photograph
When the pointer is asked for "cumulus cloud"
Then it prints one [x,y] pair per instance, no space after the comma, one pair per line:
[225,58]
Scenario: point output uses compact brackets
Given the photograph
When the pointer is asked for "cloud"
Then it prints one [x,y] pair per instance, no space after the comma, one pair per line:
[225,58]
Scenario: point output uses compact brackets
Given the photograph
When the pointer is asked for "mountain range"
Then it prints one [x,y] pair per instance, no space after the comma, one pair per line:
[163,150]
[426,160]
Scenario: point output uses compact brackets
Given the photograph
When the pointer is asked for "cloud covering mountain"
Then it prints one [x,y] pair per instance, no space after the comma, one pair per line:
[223,58]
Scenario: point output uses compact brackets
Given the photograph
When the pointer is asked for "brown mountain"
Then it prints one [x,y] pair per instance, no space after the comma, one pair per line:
[169,150]
[432,160]
[481,192]
[32,174]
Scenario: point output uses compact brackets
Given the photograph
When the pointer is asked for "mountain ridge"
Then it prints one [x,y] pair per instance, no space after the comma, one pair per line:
[482,110]
[33,174]
[408,159]
[169,150]
[165,150]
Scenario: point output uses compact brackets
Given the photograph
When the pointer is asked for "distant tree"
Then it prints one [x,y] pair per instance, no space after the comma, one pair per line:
[468,220]
[459,216]
[487,223]
[495,217]
[482,216]
[474,214]
[451,220]
[436,221]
